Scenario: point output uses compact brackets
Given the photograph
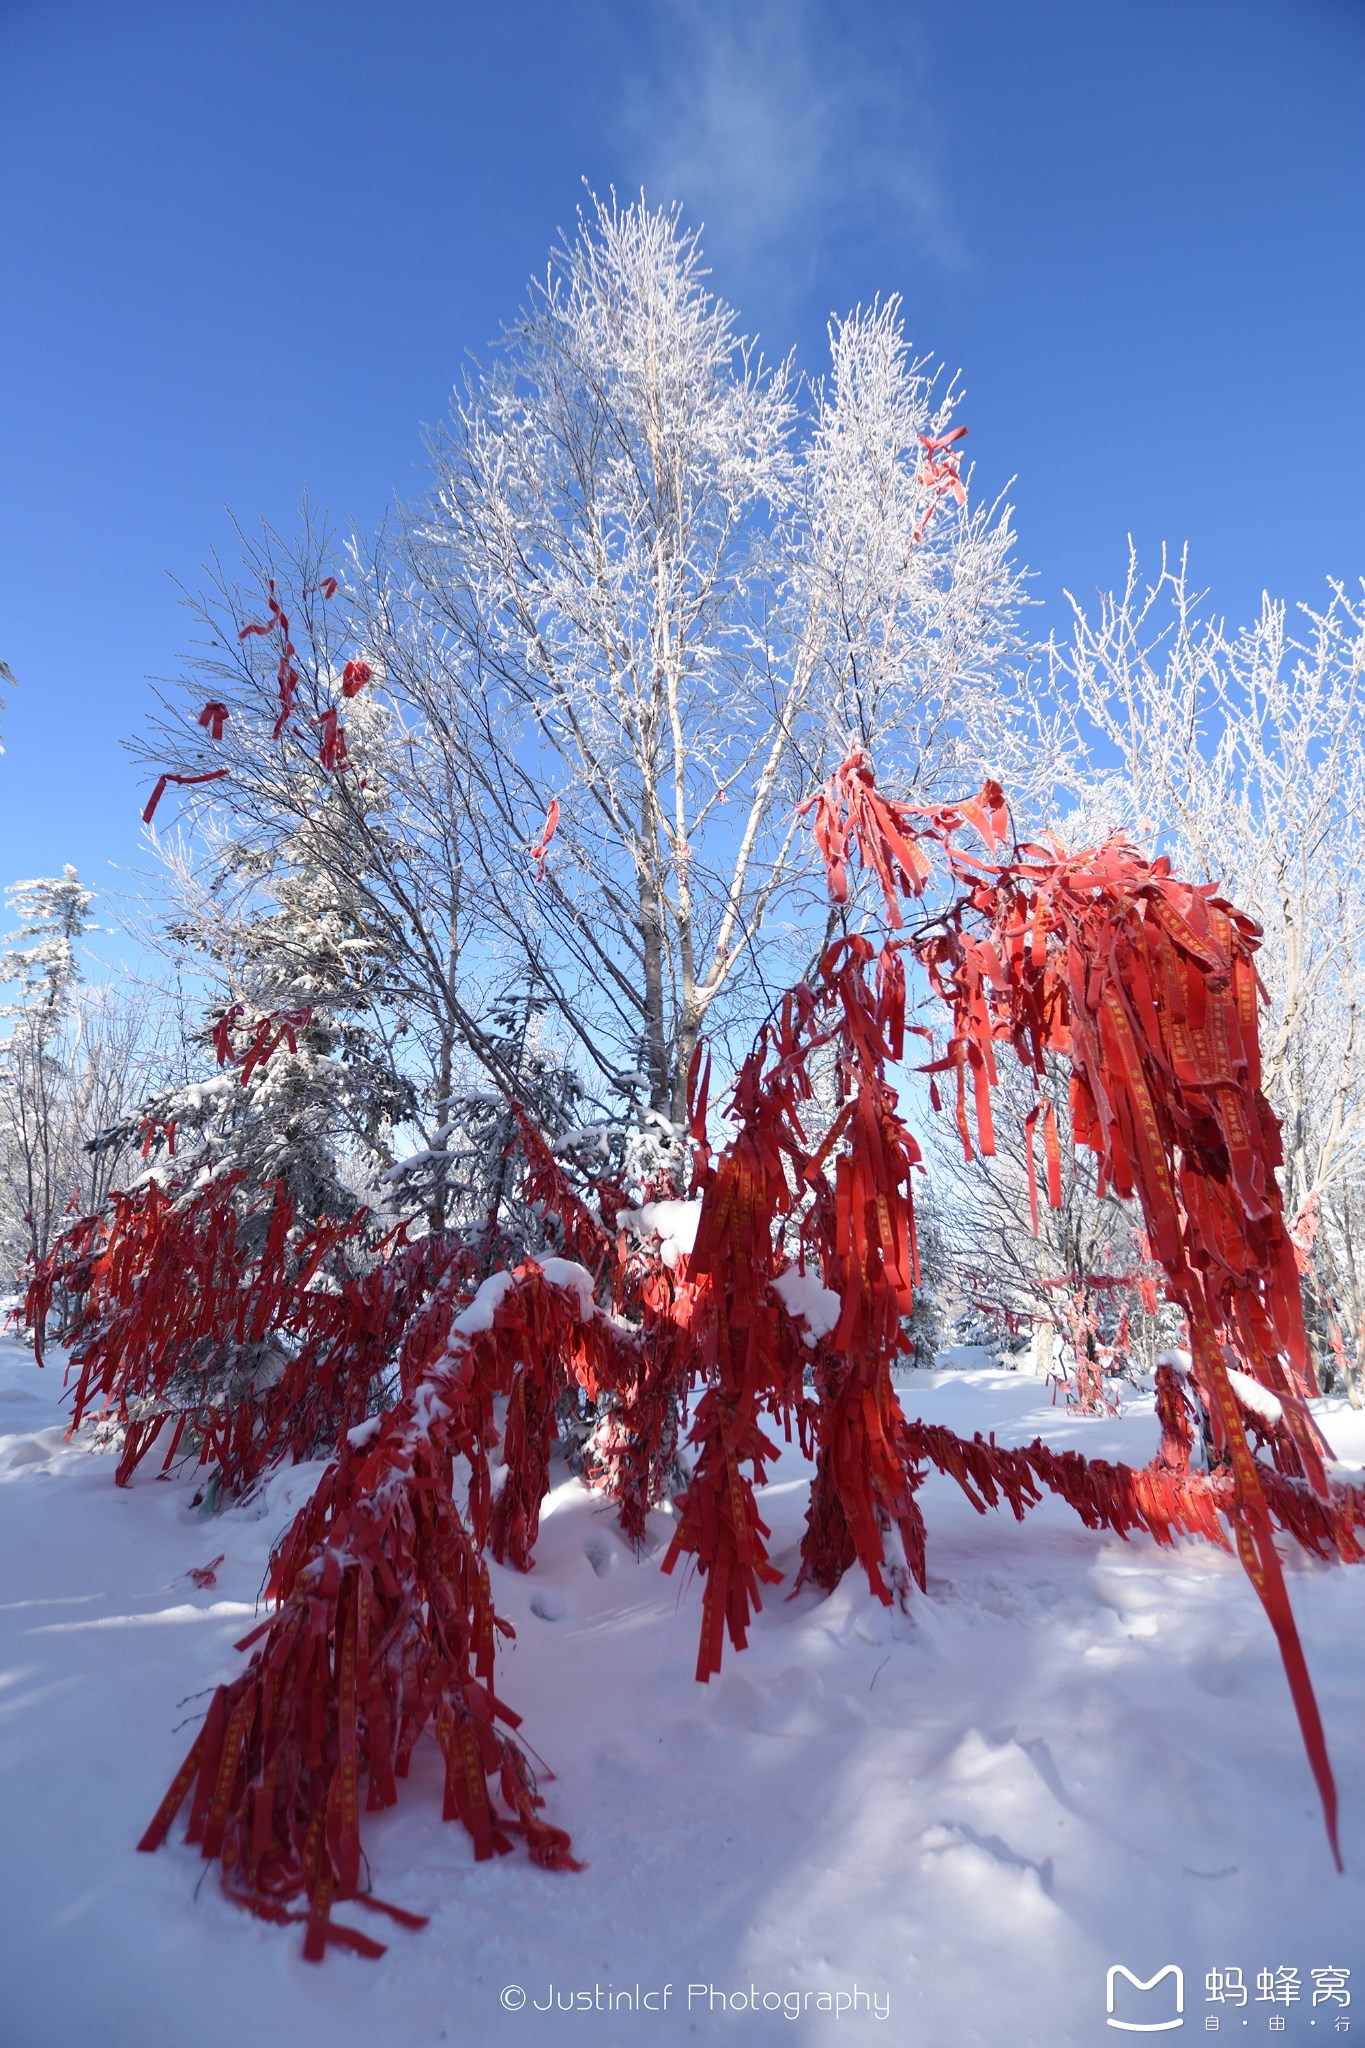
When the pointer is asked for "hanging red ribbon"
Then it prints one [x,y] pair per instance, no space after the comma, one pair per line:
[942,476]
[287,678]
[184,781]
[277,618]
[277,1028]
[850,812]
[540,851]
[332,753]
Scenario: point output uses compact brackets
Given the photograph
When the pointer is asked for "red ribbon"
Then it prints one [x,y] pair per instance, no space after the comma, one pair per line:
[287,677]
[150,1129]
[185,781]
[939,476]
[333,750]
[277,618]
[541,848]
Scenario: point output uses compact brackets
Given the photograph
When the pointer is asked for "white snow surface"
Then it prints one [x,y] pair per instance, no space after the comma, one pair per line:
[1074,1753]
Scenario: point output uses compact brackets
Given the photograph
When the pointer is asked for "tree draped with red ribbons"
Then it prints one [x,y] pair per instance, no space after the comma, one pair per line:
[383,1625]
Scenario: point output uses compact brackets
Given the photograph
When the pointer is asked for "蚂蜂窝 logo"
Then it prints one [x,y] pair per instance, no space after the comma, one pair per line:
[1152,2026]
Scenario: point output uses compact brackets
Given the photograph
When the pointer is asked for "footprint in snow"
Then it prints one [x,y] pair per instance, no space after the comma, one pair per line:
[795,1703]
[30,1451]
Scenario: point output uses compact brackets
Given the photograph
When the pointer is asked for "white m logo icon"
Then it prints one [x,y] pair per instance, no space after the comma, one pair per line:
[1117,1970]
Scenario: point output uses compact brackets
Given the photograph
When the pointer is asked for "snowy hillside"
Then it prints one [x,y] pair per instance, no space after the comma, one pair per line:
[1076,1753]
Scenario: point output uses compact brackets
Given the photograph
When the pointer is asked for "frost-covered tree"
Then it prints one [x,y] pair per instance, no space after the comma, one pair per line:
[675,582]
[38,1133]
[40,956]
[657,590]
[659,584]
[1079,1267]
[1238,752]
[76,1063]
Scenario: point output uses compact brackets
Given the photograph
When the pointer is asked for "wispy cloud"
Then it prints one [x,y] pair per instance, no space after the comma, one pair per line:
[788,124]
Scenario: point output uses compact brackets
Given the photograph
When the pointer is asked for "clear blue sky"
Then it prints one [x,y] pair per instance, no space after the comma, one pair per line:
[246,245]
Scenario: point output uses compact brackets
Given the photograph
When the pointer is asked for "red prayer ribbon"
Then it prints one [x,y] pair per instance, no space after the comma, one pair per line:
[540,851]
[215,775]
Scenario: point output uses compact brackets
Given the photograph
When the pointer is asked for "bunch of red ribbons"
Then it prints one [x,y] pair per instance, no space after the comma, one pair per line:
[1144,986]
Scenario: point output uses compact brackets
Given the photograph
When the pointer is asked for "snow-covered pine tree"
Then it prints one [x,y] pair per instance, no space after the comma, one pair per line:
[275,1252]
[288,965]
[260,1193]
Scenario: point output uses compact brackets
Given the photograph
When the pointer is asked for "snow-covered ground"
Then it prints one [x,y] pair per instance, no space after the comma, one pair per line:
[1076,1753]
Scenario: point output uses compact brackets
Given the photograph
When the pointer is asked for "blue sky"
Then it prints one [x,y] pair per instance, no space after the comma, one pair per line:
[246,247]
